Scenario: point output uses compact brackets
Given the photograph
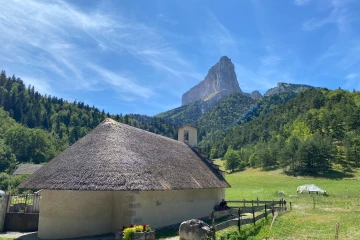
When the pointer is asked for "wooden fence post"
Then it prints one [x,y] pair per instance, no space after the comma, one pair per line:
[253,212]
[212,216]
[265,211]
[314,201]
[337,228]
[257,200]
[244,202]
[239,220]
[272,208]
[290,206]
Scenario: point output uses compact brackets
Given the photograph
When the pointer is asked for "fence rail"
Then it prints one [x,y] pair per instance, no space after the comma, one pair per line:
[243,215]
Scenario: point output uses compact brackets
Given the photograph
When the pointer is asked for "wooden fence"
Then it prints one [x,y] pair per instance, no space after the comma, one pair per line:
[243,214]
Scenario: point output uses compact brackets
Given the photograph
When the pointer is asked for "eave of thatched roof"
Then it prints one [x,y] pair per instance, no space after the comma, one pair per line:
[118,157]
[27,169]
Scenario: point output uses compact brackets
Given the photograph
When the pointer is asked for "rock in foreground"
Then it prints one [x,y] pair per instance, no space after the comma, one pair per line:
[194,229]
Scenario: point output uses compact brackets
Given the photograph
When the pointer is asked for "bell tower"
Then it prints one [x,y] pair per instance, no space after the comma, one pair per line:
[188,135]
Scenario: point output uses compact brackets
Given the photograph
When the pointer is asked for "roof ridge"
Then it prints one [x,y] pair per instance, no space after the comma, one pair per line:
[112,121]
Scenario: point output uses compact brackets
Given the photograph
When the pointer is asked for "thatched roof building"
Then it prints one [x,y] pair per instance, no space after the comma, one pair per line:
[115,156]
[119,175]
[27,169]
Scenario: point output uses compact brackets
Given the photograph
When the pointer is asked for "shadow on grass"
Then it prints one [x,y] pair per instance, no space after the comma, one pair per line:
[235,171]
[246,232]
[331,174]
[167,233]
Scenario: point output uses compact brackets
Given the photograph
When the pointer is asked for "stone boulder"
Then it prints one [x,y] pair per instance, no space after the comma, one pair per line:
[194,229]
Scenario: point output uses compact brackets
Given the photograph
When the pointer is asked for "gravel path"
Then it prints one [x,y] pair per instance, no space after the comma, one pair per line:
[33,236]
[20,235]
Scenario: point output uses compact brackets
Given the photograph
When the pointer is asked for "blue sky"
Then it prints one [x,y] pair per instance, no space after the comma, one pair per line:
[141,56]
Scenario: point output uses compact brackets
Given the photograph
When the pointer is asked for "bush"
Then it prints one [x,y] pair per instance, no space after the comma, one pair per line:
[129,231]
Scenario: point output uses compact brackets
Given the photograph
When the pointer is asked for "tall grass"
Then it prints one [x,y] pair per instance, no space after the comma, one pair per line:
[342,205]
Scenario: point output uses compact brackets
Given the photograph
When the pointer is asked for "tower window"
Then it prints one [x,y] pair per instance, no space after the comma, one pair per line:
[186,136]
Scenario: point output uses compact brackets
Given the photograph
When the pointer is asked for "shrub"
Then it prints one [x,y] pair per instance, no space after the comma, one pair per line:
[129,231]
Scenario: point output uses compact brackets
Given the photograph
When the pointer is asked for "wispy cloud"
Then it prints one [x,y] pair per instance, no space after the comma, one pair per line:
[301,2]
[40,85]
[219,38]
[57,39]
[339,15]
[344,55]
[123,83]
[352,76]
[352,81]
[270,60]
[250,80]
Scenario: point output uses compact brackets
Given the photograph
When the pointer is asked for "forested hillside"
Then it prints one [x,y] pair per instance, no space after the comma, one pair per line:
[306,135]
[232,111]
[34,128]
[222,117]
[183,115]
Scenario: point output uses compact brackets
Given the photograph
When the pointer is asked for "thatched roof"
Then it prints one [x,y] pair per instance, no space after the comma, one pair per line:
[27,169]
[115,156]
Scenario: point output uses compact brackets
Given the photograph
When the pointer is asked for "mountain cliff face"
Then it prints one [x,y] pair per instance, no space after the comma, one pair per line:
[220,81]
[287,87]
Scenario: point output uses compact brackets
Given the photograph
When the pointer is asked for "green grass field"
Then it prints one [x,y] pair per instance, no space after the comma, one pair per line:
[342,205]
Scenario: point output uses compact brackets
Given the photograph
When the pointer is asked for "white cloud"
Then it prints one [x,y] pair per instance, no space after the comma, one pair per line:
[339,15]
[270,60]
[250,81]
[40,85]
[219,38]
[352,76]
[301,2]
[57,39]
[123,83]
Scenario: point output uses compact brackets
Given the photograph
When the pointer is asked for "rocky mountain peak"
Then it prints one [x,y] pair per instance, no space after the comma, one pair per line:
[220,81]
[256,95]
[287,87]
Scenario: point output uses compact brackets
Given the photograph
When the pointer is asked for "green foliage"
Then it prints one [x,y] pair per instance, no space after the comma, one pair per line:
[35,128]
[232,160]
[128,232]
[305,135]
[221,117]
[183,115]
[7,157]
[10,183]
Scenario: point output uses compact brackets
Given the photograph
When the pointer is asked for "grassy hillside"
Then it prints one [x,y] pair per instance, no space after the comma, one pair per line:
[303,222]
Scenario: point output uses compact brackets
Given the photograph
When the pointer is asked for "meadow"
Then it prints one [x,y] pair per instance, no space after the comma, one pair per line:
[341,205]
